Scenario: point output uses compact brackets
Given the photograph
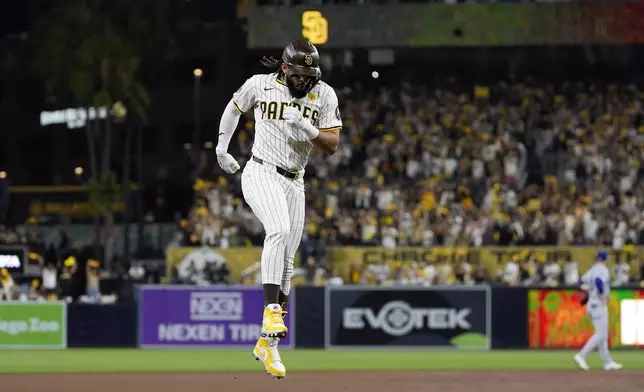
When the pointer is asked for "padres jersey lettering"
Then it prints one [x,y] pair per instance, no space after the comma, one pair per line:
[275,141]
[268,111]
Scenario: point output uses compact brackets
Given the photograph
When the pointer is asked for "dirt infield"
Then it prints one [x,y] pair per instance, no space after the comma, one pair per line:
[536,381]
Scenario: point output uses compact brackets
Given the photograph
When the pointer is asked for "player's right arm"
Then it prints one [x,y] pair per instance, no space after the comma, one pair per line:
[243,99]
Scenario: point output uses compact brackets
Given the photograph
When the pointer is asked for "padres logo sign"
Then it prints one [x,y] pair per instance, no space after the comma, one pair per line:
[308,59]
[315,28]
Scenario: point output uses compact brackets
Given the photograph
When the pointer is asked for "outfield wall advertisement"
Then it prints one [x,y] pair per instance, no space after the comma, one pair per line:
[227,316]
[407,317]
[240,258]
[558,320]
[37,325]
[490,257]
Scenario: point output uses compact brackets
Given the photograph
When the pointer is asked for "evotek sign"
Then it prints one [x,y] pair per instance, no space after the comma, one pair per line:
[366,316]
[397,318]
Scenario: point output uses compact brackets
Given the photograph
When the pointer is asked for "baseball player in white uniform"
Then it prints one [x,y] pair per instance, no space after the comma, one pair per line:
[597,284]
[294,111]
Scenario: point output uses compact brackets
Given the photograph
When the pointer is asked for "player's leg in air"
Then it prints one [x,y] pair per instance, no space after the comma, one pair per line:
[266,346]
[296,203]
[599,315]
[265,194]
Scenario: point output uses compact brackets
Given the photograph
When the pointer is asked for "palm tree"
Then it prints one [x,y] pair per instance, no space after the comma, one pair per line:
[91,53]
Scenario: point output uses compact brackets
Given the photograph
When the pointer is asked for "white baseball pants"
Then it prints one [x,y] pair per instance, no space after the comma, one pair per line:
[598,313]
[278,202]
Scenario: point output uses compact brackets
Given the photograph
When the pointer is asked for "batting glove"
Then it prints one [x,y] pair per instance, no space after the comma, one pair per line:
[227,162]
[294,117]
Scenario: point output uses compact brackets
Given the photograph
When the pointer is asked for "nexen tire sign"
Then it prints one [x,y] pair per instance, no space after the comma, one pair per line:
[372,316]
[186,316]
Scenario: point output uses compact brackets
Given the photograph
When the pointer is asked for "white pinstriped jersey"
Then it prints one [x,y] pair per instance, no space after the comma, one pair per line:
[277,142]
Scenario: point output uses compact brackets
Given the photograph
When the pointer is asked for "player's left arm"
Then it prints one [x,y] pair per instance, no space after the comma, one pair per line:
[327,135]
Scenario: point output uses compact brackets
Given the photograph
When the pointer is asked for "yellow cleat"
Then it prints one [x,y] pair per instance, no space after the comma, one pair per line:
[273,322]
[266,351]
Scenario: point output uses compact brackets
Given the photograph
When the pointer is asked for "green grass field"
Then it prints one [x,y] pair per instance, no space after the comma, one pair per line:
[132,360]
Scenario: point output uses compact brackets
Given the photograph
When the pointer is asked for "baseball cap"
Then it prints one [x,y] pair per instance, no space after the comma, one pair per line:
[602,255]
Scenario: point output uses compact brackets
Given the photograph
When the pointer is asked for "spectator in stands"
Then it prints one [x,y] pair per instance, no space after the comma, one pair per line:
[551,273]
[8,235]
[308,270]
[8,285]
[481,275]
[66,277]
[571,272]
[621,273]
[34,292]
[332,278]
[93,280]
[444,272]
[50,281]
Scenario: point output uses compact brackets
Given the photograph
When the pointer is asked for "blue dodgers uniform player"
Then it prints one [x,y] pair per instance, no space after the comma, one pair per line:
[596,283]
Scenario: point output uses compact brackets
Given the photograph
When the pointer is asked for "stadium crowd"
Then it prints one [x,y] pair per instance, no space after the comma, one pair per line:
[505,164]
[58,261]
[450,164]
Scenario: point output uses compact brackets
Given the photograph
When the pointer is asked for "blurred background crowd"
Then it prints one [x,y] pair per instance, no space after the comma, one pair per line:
[467,147]
[513,163]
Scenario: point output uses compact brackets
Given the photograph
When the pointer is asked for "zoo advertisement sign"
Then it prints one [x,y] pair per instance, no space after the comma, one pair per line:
[184,316]
[33,325]
[408,317]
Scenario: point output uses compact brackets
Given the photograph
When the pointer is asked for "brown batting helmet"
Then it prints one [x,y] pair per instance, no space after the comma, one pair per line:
[302,58]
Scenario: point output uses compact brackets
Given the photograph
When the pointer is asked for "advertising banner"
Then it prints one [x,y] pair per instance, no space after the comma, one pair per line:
[13,258]
[556,319]
[491,257]
[183,316]
[33,325]
[446,25]
[361,316]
